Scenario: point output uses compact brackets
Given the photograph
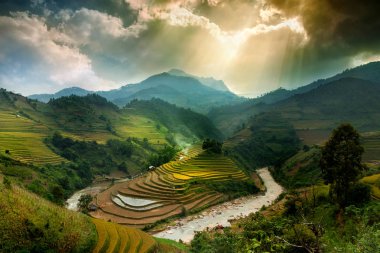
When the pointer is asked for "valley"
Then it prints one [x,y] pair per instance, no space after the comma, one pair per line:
[153,174]
[220,215]
[175,188]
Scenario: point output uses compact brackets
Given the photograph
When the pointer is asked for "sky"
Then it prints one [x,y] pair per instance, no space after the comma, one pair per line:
[255,46]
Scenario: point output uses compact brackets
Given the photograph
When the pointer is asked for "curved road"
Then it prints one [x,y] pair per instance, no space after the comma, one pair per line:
[220,214]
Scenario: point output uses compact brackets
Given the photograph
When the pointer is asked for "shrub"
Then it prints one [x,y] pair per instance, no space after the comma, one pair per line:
[358,194]
[212,146]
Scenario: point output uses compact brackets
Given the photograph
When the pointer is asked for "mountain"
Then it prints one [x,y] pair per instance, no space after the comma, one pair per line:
[236,115]
[208,81]
[62,93]
[179,88]
[369,72]
[314,114]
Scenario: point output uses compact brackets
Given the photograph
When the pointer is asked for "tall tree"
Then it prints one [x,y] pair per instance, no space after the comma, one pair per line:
[341,161]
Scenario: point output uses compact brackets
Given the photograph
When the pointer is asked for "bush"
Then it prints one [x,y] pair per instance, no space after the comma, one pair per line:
[212,146]
[358,194]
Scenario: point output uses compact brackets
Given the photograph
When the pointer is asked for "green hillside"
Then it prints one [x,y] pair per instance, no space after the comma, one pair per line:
[59,147]
[31,224]
[268,140]
[239,113]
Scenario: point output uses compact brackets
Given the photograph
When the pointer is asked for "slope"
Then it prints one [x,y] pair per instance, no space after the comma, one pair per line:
[239,113]
[311,116]
[315,113]
[31,224]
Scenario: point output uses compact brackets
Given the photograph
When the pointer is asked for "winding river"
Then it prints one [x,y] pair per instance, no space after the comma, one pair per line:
[219,215]
[185,228]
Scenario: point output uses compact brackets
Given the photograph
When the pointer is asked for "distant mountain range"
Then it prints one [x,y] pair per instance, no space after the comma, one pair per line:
[347,96]
[62,93]
[176,87]
[370,72]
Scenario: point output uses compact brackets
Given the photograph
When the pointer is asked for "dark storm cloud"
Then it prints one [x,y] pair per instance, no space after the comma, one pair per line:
[337,26]
[116,8]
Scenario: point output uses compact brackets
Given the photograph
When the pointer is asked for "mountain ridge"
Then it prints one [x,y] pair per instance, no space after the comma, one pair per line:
[195,94]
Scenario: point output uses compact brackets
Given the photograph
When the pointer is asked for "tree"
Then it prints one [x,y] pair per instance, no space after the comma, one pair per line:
[341,162]
[84,201]
[212,146]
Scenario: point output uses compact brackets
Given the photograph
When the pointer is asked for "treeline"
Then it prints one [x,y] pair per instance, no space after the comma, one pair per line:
[74,112]
[53,182]
[101,158]
[232,188]
[212,146]
[272,141]
[177,119]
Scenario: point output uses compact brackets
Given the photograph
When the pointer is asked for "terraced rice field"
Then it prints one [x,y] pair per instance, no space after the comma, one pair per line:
[132,125]
[167,191]
[114,238]
[371,144]
[24,139]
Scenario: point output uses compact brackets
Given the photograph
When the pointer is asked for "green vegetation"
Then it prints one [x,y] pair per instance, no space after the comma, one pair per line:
[31,224]
[233,189]
[212,146]
[374,182]
[170,246]
[351,96]
[189,124]
[310,219]
[271,141]
[341,163]
[196,180]
[311,226]
[164,155]
[53,182]
[84,202]
[102,159]
[56,148]
[300,170]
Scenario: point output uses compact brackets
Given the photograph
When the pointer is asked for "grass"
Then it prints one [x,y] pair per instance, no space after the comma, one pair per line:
[374,182]
[170,246]
[134,125]
[29,223]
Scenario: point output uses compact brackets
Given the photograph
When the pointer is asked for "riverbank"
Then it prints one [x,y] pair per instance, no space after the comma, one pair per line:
[221,214]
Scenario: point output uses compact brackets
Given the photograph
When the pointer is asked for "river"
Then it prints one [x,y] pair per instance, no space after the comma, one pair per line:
[93,190]
[220,214]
